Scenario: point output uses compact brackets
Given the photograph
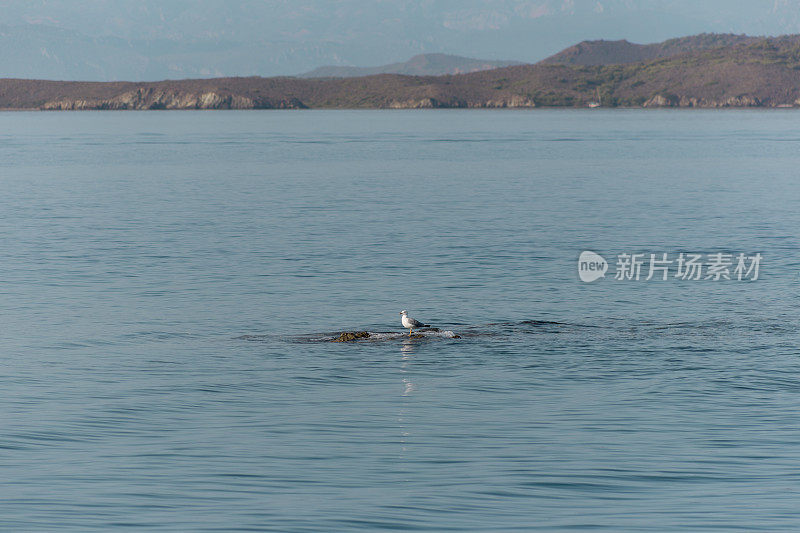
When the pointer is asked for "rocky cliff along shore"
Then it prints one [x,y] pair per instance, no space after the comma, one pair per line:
[149,97]
[740,72]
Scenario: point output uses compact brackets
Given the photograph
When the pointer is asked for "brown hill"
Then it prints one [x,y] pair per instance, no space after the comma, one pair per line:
[760,72]
[620,52]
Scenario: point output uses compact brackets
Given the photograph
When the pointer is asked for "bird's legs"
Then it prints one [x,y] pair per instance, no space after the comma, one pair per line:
[410,331]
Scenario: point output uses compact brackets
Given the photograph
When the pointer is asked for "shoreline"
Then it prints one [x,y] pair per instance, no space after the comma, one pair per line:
[402,109]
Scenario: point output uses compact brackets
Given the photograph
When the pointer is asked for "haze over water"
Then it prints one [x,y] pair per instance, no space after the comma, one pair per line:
[169,280]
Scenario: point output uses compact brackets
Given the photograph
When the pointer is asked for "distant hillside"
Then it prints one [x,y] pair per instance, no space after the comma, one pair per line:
[145,40]
[419,65]
[621,52]
[763,72]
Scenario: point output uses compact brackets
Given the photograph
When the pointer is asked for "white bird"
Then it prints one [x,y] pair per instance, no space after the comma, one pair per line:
[411,323]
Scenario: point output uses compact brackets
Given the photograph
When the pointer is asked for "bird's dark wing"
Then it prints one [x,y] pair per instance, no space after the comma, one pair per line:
[417,324]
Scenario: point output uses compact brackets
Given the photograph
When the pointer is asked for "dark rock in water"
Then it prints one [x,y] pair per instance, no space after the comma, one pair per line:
[348,336]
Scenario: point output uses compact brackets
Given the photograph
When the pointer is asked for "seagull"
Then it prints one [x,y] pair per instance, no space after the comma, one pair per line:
[411,323]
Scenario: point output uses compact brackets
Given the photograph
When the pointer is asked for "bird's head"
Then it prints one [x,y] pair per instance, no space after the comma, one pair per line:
[403,312]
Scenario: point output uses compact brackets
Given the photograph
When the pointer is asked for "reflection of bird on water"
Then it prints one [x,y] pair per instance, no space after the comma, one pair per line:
[411,323]
[408,387]
[408,347]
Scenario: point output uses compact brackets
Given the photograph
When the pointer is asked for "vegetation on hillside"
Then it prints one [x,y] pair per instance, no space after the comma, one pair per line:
[750,72]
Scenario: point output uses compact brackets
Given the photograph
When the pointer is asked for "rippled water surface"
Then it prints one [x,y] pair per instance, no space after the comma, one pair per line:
[171,282]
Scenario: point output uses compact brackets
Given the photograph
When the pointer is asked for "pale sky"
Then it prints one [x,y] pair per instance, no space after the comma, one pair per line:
[150,39]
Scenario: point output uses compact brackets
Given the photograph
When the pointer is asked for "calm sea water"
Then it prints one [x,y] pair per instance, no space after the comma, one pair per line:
[170,281]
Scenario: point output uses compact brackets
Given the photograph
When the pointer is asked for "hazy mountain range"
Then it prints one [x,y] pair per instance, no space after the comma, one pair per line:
[419,65]
[149,39]
[699,71]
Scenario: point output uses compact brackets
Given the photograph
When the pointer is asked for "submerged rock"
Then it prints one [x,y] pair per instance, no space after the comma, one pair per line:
[347,336]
